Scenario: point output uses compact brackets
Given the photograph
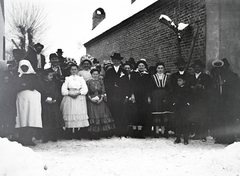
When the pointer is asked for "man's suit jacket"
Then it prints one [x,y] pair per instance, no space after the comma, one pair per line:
[32,57]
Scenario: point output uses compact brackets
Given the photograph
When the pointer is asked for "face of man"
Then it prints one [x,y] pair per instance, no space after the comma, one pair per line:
[181,67]
[38,49]
[197,68]
[127,68]
[116,62]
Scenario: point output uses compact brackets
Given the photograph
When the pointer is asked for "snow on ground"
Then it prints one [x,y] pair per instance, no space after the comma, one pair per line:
[129,156]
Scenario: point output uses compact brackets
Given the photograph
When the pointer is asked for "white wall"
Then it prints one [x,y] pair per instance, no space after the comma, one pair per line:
[2,30]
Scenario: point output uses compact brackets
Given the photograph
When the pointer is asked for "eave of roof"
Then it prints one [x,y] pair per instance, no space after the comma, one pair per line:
[96,35]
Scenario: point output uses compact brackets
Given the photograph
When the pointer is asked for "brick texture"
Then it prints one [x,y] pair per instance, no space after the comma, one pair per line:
[143,36]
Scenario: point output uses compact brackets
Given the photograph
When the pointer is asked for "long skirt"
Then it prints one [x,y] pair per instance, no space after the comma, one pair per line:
[100,118]
[29,109]
[160,107]
[74,111]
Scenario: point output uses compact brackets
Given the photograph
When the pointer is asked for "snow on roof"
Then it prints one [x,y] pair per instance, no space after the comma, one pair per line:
[116,14]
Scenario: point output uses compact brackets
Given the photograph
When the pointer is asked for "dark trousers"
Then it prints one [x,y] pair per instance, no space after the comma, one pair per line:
[182,122]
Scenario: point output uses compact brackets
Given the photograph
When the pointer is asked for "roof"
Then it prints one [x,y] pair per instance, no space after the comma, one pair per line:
[118,15]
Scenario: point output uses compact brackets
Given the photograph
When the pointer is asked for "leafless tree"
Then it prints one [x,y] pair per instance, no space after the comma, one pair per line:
[26,20]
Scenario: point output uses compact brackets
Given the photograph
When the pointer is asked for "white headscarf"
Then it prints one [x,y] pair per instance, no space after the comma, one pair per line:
[30,68]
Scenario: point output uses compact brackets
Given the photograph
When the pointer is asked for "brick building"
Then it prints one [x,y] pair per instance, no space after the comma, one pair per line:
[141,35]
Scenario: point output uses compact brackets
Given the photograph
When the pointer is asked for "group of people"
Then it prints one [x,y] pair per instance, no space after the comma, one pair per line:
[95,101]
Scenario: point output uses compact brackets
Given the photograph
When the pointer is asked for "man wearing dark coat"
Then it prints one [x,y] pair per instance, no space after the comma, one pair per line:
[181,66]
[200,84]
[35,57]
[225,106]
[115,83]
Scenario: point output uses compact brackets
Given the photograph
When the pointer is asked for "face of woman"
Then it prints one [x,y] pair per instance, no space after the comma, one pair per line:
[24,68]
[160,69]
[141,67]
[74,70]
[95,75]
[86,65]
[127,68]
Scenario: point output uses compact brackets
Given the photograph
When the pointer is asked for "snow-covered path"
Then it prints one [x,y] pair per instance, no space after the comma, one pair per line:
[139,157]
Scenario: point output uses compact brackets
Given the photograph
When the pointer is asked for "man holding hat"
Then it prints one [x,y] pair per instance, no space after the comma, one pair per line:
[115,83]
[35,57]
[200,84]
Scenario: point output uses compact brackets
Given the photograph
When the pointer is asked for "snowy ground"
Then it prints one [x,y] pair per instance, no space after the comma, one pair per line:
[122,157]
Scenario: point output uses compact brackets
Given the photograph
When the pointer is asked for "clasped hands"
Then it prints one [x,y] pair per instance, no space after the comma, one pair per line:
[74,93]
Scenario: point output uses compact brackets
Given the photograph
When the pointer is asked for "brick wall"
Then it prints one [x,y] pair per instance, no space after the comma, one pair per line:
[143,36]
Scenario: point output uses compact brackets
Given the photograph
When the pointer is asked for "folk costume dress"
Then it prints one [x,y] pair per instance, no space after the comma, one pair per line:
[74,110]
[160,98]
[29,109]
[100,118]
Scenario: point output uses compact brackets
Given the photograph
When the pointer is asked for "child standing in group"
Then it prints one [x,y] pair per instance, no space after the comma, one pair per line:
[181,102]
[51,116]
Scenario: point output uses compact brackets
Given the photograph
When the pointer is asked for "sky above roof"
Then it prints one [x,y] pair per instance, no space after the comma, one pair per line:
[69,22]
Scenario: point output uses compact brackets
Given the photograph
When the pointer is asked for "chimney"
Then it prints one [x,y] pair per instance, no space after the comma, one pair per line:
[98,16]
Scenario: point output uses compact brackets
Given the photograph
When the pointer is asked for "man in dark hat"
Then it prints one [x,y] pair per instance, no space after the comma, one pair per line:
[181,66]
[62,61]
[115,83]
[200,84]
[35,57]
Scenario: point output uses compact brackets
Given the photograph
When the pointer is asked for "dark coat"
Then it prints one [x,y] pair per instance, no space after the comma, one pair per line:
[51,115]
[175,76]
[141,88]
[115,84]
[32,57]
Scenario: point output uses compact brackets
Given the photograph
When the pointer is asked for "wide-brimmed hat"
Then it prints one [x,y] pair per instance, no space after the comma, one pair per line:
[116,56]
[59,51]
[217,63]
[198,62]
[38,45]
[180,61]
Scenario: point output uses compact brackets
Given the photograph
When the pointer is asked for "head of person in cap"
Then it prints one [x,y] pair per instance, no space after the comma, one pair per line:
[86,62]
[116,59]
[181,64]
[38,47]
[53,58]
[128,67]
[198,66]
[142,65]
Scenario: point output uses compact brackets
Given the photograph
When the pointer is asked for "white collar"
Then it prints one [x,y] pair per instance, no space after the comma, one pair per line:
[197,74]
[181,72]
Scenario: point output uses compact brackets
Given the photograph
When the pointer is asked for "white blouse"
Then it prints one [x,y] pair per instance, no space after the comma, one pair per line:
[74,82]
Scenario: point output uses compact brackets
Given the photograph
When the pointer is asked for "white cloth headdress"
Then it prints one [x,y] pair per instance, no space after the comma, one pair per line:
[30,68]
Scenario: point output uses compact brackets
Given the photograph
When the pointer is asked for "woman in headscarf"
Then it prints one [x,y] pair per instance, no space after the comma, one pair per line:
[28,103]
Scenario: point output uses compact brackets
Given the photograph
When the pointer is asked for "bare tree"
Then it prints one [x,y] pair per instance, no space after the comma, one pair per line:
[26,20]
